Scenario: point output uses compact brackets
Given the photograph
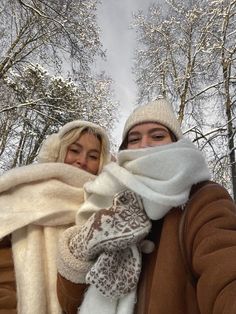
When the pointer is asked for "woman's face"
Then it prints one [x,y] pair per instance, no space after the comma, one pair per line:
[85,153]
[147,135]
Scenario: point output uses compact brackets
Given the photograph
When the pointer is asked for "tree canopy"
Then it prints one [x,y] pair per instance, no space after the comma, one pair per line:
[46,74]
[186,52]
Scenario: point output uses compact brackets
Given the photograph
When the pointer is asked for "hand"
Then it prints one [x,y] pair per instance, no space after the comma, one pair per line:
[113,229]
[115,274]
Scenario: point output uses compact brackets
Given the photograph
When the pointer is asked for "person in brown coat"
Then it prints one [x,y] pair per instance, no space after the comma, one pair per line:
[154,236]
[38,202]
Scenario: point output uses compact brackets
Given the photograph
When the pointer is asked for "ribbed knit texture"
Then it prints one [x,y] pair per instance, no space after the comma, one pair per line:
[159,111]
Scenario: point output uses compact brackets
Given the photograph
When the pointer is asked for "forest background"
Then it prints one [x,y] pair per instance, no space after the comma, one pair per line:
[184,50]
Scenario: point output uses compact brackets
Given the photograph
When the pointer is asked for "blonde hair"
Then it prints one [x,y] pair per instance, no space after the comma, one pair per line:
[55,147]
[72,136]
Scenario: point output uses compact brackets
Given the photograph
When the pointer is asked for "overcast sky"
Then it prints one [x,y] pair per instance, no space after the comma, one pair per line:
[114,18]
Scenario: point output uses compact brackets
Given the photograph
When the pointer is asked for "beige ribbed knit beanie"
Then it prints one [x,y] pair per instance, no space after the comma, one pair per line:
[159,111]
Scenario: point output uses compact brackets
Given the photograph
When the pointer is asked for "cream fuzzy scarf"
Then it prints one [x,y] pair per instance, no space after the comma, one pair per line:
[37,203]
[162,176]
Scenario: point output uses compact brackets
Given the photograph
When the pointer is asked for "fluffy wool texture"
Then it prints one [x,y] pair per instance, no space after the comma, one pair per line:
[54,148]
[68,265]
[95,303]
[162,176]
[37,203]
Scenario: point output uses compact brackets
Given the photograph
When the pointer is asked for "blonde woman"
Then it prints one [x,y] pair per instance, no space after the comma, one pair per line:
[38,202]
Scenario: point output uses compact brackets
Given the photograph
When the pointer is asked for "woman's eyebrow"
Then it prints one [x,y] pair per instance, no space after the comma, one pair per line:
[76,144]
[158,129]
[94,151]
[133,133]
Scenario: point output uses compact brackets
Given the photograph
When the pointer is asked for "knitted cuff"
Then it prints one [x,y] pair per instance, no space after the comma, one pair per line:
[68,265]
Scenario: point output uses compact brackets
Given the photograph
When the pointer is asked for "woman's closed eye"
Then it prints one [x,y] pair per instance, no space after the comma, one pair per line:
[158,136]
[74,149]
[94,157]
[148,135]
[133,139]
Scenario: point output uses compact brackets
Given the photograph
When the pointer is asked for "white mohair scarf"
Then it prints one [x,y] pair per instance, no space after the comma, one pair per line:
[162,176]
[37,203]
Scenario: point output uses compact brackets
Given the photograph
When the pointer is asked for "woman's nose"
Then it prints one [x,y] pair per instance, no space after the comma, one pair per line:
[81,160]
[144,142]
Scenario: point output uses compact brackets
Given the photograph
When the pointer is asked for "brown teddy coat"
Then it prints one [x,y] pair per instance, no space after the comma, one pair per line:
[202,282]
[7,278]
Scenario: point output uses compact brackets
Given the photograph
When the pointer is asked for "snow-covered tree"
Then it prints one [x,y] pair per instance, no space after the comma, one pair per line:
[63,37]
[186,51]
[40,103]
[51,32]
